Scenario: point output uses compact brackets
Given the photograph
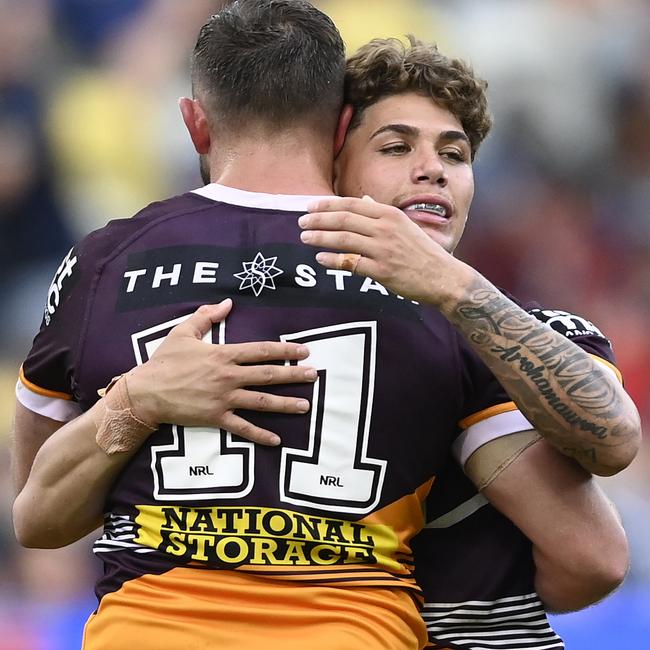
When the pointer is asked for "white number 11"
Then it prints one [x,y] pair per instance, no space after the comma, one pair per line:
[333,472]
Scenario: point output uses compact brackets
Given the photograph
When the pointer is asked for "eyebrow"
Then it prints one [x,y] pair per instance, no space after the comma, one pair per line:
[454,135]
[405,129]
[402,129]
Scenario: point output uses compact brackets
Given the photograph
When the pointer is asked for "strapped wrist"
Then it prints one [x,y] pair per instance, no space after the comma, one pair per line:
[119,430]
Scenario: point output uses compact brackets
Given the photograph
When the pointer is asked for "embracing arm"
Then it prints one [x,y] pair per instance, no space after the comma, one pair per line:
[570,398]
[574,402]
[61,496]
[579,546]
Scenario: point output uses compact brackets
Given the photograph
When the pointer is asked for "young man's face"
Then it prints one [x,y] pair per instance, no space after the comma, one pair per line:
[411,153]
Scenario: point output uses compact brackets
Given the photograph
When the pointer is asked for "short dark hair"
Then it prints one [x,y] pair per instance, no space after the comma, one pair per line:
[386,67]
[275,62]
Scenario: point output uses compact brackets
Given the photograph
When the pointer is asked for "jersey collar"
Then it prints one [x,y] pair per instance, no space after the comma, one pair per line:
[233,196]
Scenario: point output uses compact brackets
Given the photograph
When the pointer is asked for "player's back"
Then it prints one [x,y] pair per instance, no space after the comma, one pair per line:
[337,503]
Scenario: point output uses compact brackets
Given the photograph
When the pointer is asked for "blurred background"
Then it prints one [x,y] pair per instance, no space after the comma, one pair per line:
[90,131]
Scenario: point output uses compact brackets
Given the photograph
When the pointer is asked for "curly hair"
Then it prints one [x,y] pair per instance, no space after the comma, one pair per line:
[385,67]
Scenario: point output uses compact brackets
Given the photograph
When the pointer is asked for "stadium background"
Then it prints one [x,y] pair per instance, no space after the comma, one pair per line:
[90,130]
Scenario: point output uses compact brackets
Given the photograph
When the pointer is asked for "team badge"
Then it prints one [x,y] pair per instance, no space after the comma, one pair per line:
[567,324]
[259,274]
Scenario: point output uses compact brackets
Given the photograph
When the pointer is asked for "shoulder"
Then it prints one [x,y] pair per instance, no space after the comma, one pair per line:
[86,258]
[576,327]
[120,232]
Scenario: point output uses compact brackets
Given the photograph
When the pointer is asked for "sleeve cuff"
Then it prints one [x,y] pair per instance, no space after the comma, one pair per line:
[55,408]
[490,428]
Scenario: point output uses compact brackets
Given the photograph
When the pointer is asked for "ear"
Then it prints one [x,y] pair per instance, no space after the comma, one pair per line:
[342,128]
[196,123]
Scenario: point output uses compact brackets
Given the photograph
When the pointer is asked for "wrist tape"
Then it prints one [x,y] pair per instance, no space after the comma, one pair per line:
[118,428]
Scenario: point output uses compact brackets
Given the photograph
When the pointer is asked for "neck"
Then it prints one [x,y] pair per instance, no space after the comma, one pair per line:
[298,162]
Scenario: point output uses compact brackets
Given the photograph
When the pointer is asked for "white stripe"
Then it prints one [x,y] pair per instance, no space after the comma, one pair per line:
[485,620]
[497,426]
[233,196]
[488,608]
[112,550]
[55,408]
[507,645]
[459,513]
[115,542]
[506,599]
[482,634]
[521,619]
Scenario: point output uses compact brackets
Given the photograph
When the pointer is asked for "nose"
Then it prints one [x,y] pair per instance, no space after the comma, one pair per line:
[429,170]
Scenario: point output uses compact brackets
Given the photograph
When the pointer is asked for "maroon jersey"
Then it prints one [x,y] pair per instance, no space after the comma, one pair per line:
[340,500]
[474,565]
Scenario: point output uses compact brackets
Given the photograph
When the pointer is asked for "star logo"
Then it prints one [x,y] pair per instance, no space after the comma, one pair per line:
[259,274]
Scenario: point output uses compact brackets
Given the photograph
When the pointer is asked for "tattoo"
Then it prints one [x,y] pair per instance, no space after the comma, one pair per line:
[564,393]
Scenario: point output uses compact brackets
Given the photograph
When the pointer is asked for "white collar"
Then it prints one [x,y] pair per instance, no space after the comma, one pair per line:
[233,196]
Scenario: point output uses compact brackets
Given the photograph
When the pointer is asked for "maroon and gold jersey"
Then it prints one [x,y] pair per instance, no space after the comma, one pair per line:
[474,565]
[338,503]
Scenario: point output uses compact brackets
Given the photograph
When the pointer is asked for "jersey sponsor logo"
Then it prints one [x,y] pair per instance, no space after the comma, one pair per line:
[62,275]
[232,536]
[259,274]
[279,273]
[567,324]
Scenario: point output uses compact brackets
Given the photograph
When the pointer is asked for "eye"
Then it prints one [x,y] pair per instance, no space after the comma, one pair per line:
[395,149]
[456,155]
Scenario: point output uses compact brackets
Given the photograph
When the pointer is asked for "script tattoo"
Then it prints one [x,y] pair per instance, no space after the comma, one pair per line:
[561,389]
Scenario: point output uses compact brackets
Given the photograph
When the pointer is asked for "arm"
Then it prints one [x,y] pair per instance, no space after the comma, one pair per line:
[71,469]
[579,546]
[31,430]
[572,401]
[186,382]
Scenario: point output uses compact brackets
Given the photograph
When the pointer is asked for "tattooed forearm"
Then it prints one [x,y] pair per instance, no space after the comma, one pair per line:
[569,398]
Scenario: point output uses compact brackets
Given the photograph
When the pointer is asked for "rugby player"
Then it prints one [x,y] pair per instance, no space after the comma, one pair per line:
[411,138]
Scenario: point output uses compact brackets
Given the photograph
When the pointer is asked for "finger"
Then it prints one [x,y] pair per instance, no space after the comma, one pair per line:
[347,221]
[345,242]
[269,375]
[202,320]
[260,351]
[347,262]
[256,401]
[365,206]
[249,431]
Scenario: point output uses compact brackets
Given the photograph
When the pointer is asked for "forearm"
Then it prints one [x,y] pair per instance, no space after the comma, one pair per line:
[579,546]
[64,496]
[565,589]
[568,396]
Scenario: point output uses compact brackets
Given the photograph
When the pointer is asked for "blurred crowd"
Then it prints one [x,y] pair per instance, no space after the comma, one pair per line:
[90,131]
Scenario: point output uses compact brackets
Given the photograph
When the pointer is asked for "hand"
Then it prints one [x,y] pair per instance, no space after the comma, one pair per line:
[193,384]
[382,243]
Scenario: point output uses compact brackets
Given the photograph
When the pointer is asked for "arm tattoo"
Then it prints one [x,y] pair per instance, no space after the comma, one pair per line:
[567,396]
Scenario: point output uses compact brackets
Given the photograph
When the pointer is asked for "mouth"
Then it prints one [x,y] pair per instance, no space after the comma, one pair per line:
[432,210]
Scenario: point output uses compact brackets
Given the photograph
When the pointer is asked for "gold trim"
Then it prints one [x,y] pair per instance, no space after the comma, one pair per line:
[497,409]
[610,365]
[42,391]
